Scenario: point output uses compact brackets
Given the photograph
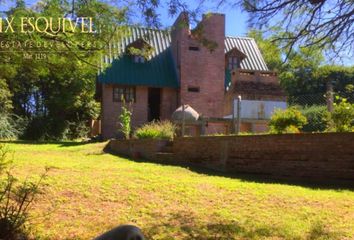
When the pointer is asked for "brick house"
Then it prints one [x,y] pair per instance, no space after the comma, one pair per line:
[180,69]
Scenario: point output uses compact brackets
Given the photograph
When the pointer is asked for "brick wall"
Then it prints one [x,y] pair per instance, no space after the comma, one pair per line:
[217,128]
[322,157]
[168,103]
[203,69]
[253,85]
[137,148]
[111,110]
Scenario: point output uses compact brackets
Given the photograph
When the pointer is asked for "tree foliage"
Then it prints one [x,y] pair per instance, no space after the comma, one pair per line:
[56,87]
[342,118]
[315,23]
[317,118]
[321,24]
[271,51]
[305,72]
[11,125]
[341,77]
[5,97]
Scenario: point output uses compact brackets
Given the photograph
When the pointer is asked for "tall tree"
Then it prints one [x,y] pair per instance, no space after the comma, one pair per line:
[304,76]
[324,24]
[5,97]
[53,78]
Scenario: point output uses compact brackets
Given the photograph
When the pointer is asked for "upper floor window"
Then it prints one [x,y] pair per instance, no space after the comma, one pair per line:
[233,63]
[193,89]
[127,93]
[140,50]
[193,48]
[138,59]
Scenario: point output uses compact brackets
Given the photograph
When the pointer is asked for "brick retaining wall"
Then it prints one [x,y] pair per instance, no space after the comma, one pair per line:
[320,156]
[323,156]
[136,148]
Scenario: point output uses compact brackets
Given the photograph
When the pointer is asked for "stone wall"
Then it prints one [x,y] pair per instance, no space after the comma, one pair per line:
[324,157]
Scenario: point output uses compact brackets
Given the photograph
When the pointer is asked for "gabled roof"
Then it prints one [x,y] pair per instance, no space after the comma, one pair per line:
[140,45]
[159,70]
[235,51]
[248,46]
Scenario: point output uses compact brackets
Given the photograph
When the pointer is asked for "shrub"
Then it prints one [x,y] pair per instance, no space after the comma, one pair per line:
[15,199]
[76,130]
[125,119]
[41,128]
[317,118]
[5,97]
[287,121]
[11,126]
[37,129]
[342,117]
[156,130]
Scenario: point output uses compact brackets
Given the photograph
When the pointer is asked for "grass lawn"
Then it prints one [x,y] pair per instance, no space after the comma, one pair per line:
[89,192]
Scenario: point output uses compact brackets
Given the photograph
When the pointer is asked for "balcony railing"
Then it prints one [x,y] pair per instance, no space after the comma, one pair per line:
[255,76]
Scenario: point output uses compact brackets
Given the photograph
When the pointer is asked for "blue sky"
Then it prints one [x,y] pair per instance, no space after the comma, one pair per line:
[235,19]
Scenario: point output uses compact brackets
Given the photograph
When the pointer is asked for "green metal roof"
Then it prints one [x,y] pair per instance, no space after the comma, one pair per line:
[158,71]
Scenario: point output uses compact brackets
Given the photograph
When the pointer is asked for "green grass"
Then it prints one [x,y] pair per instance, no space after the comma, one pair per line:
[89,192]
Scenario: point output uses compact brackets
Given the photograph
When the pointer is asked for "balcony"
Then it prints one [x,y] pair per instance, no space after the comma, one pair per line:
[266,77]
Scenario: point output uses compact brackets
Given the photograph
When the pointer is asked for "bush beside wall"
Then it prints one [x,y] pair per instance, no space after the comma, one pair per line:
[317,118]
[156,130]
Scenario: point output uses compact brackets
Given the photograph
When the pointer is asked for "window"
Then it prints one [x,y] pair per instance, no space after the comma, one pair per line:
[233,63]
[193,89]
[138,59]
[127,92]
[193,48]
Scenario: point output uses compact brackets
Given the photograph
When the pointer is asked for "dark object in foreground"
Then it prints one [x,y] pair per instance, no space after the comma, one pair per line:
[123,232]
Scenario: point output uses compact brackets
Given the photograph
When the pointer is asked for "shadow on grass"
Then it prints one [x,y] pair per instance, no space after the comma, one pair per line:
[60,143]
[257,178]
[263,178]
[186,226]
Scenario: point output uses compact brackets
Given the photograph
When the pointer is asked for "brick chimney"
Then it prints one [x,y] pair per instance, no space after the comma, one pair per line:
[200,61]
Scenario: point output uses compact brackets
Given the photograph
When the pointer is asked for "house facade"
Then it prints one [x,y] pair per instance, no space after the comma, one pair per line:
[202,68]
